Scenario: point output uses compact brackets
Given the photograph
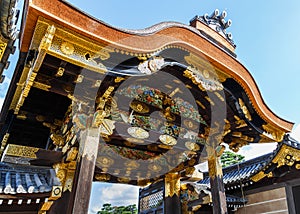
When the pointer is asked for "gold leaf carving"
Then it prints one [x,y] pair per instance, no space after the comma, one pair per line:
[286,156]
[60,72]
[67,48]
[273,133]
[258,176]
[72,154]
[48,37]
[2,48]
[172,185]
[41,86]
[245,109]
[102,177]
[21,151]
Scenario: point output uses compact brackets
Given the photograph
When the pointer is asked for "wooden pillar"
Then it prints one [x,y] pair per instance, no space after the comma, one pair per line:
[216,183]
[172,194]
[88,149]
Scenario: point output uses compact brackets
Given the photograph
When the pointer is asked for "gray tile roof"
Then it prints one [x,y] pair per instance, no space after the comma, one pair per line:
[18,179]
[240,174]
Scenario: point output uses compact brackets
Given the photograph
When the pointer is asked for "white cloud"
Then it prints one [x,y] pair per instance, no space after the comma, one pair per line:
[115,194]
[296,133]
[254,150]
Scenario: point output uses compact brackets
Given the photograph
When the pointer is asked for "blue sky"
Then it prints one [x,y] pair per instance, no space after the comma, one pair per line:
[268,44]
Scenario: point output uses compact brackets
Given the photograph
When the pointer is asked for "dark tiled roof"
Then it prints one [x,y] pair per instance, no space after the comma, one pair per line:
[26,179]
[231,200]
[236,173]
[241,173]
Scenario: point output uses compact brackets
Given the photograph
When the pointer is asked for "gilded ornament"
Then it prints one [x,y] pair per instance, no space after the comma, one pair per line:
[102,177]
[61,174]
[69,180]
[273,133]
[72,154]
[134,140]
[129,144]
[107,127]
[154,167]
[172,185]
[119,79]
[168,114]
[286,156]
[5,139]
[257,177]
[237,143]
[247,138]
[226,128]
[239,122]
[116,172]
[163,146]
[214,166]
[60,72]
[152,147]
[67,48]
[137,132]
[168,140]
[176,90]
[237,134]
[56,193]
[245,109]
[139,107]
[124,180]
[132,164]
[209,100]
[200,104]
[21,151]
[192,162]
[58,140]
[192,146]
[48,37]
[79,78]
[151,66]
[190,124]
[46,206]
[206,73]
[104,54]
[220,96]
[97,84]
[2,48]
[104,161]
[168,86]
[143,182]
[222,77]
[204,84]
[156,64]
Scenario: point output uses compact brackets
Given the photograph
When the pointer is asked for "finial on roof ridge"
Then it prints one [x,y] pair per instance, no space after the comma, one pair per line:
[217,22]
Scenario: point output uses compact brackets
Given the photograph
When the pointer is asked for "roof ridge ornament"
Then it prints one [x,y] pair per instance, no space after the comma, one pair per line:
[216,22]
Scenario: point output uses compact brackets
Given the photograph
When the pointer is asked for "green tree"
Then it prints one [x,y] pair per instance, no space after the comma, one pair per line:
[109,209]
[229,158]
